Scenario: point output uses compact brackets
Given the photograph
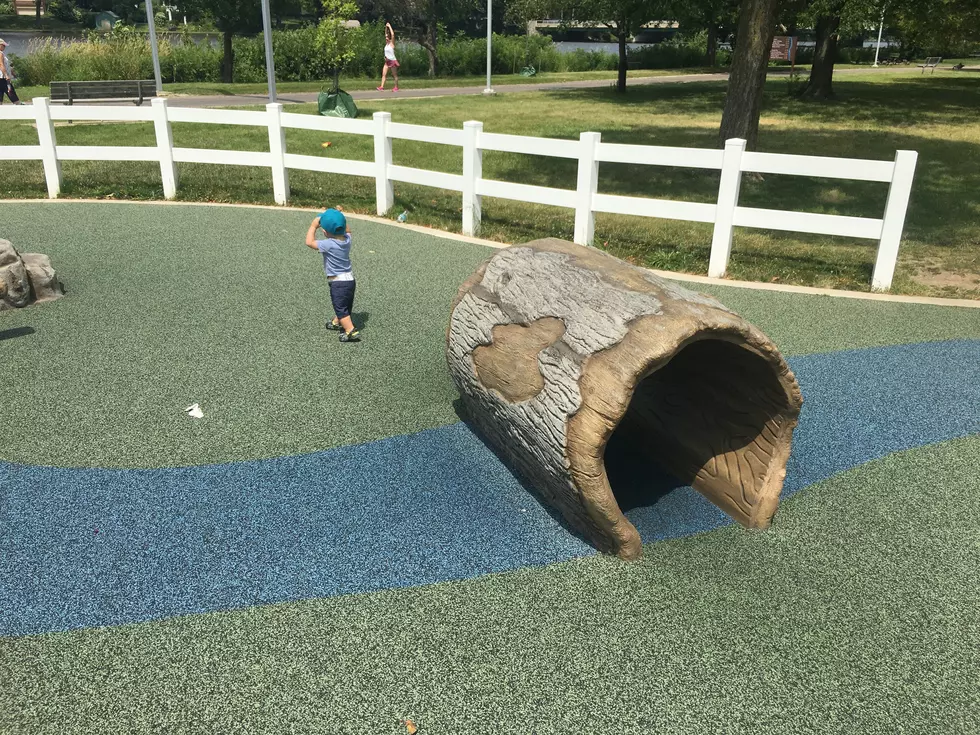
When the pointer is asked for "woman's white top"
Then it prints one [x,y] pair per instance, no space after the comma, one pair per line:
[390,52]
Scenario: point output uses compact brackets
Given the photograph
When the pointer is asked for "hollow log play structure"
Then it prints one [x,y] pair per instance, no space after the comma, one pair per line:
[577,367]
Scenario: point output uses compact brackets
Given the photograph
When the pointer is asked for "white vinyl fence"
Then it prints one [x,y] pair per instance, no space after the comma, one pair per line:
[585,199]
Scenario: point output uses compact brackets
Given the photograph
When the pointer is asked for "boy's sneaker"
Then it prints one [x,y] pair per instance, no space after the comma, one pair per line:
[354,336]
[334,326]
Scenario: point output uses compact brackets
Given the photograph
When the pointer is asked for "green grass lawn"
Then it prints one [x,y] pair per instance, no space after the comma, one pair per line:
[934,114]
[353,84]
[357,83]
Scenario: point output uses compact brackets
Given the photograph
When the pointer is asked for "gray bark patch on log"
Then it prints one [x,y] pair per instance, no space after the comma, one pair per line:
[616,345]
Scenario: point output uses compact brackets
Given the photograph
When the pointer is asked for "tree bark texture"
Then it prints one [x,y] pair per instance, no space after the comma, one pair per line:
[820,85]
[621,78]
[711,56]
[756,25]
[228,59]
[557,348]
[429,42]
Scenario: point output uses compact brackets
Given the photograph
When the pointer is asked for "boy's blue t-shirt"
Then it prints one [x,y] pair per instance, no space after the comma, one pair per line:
[336,255]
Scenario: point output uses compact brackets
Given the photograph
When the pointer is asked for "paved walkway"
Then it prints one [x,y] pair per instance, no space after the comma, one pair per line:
[408,92]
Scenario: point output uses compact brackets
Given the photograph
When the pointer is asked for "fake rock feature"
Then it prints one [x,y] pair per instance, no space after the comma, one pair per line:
[26,279]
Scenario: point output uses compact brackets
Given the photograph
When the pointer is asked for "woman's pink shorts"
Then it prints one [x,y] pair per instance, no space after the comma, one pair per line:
[390,63]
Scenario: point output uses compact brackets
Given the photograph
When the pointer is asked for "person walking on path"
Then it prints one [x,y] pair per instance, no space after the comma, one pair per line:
[7,76]
[390,61]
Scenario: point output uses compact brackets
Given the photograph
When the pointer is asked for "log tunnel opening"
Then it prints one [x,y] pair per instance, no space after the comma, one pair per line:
[710,417]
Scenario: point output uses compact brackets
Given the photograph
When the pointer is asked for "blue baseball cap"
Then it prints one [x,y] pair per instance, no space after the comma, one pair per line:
[333,222]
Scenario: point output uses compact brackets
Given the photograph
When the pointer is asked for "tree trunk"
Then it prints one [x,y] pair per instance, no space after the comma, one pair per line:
[711,56]
[820,83]
[621,78]
[588,375]
[37,12]
[429,41]
[228,60]
[756,25]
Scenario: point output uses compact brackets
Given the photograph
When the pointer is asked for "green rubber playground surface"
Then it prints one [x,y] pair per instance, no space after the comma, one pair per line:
[857,611]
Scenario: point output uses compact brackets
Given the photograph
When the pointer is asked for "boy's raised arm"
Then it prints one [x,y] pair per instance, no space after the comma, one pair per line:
[311,234]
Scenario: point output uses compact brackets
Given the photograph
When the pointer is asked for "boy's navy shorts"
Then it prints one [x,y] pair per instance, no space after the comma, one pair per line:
[342,297]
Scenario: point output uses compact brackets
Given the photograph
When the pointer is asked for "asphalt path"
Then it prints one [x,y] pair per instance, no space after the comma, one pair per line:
[242,100]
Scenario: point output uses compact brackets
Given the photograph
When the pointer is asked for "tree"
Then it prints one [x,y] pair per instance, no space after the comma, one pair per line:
[831,18]
[333,40]
[820,83]
[743,101]
[624,18]
[420,20]
[232,17]
[715,17]
[937,26]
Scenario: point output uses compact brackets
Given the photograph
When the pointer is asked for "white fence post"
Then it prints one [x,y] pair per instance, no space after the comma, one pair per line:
[731,182]
[588,185]
[382,160]
[472,172]
[894,220]
[165,144]
[49,146]
[277,150]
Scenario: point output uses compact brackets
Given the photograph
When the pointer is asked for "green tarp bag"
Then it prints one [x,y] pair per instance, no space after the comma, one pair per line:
[336,104]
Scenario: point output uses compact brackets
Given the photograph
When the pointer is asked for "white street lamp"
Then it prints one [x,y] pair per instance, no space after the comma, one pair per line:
[881,27]
[153,47]
[489,89]
[270,69]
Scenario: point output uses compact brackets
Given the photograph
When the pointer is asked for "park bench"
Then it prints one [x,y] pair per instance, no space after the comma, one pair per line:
[135,90]
[931,63]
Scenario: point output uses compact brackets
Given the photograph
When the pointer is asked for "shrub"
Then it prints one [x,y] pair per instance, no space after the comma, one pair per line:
[64,10]
[676,53]
[125,54]
[6,8]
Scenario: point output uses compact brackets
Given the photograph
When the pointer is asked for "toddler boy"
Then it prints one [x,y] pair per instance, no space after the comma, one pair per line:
[336,263]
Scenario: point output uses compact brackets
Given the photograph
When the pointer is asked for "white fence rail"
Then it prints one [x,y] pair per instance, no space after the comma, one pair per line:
[725,214]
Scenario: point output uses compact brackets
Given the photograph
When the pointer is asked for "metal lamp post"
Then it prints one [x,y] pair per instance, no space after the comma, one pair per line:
[153,47]
[489,89]
[881,27]
[270,68]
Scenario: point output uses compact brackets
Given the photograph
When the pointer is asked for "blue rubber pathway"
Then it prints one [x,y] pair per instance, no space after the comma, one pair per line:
[94,547]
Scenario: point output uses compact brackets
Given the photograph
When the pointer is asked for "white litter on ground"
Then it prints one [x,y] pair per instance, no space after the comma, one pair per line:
[194,411]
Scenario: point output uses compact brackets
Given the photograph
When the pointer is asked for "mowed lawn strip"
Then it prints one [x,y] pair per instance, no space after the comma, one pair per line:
[353,84]
[855,612]
[874,116]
